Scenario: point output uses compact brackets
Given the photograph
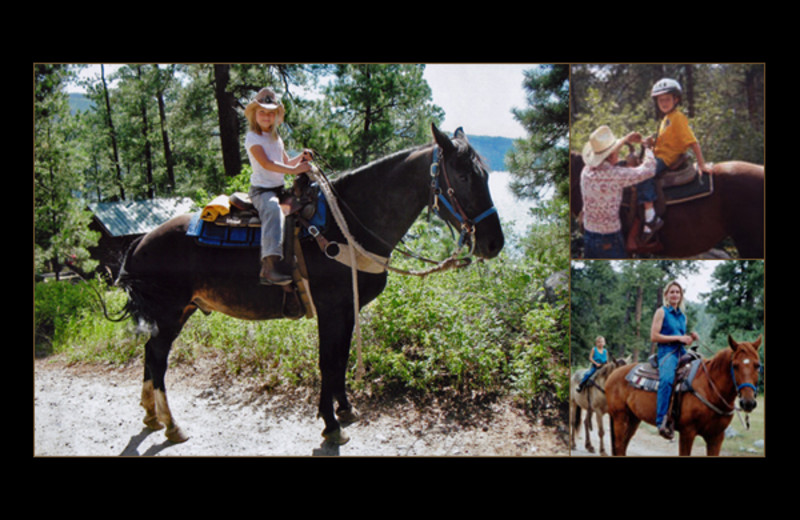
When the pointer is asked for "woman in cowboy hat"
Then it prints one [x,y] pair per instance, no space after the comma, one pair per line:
[602,182]
[270,163]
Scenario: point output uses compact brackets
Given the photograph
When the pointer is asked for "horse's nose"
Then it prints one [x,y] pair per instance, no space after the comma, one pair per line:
[748,405]
[495,246]
[490,238]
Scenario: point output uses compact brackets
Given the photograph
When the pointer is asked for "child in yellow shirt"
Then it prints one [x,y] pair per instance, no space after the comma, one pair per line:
[674,138]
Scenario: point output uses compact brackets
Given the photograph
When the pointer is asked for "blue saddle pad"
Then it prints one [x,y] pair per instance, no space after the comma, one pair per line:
[210,234]
[320,218]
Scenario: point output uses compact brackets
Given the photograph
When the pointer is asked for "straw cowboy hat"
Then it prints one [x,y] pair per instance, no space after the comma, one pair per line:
[602,143]
[268,100]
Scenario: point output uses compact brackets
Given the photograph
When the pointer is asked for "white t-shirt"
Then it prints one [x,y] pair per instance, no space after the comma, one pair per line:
[262,177]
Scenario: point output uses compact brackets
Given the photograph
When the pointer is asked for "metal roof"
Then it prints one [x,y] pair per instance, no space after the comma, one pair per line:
[136,217]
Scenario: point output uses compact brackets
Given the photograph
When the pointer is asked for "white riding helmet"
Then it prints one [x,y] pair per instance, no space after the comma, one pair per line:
[666,86]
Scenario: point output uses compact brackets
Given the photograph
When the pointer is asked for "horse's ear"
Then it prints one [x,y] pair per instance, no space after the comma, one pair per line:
[757,343]
[732,342]
[442,140]
[459,134]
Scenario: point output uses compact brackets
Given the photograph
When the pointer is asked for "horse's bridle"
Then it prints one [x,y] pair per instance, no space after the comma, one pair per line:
[738,387]
[743,385]
[451,201]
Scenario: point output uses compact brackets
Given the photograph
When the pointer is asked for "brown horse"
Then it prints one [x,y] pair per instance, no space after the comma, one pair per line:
[706,411]
[168,276]
[735,209]
[592,399]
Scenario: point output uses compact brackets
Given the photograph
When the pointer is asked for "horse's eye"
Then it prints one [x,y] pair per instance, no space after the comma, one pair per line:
[464,169]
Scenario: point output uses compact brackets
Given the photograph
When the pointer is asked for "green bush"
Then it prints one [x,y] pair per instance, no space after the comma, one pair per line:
[55,305]
[482,329]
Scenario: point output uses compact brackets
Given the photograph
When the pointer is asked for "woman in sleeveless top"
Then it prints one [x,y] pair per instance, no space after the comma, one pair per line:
[669,332]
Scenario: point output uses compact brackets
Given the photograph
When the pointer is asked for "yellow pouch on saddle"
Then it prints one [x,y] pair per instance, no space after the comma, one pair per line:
[221,205]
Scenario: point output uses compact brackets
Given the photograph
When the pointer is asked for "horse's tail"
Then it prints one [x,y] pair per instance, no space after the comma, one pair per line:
[135,287]
[152,298]
[98,295]
[576,420]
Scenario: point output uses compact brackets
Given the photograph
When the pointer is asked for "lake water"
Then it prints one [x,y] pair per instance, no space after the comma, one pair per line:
[514,213]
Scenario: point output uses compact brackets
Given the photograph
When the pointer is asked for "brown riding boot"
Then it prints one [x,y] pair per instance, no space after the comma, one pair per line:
[666,430]
[270,275]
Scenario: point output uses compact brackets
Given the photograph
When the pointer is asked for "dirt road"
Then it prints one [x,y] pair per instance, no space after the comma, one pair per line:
[95,412]
[644,444]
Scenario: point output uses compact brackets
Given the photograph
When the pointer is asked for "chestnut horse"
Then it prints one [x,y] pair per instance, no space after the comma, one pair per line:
[592,399]
[168,276]
[735,209]
[730,372]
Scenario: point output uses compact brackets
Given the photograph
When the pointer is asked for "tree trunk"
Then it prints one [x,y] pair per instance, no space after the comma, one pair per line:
[113,134]
[228,121]
[162,115]
[638,320]
[750,85]
[148,153]
[689,90]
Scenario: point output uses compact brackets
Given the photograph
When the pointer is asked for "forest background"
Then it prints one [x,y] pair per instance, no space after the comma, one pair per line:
[177,129]
[725,105]
[617,300]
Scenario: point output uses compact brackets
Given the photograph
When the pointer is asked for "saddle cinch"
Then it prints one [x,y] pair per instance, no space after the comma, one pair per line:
[232,221]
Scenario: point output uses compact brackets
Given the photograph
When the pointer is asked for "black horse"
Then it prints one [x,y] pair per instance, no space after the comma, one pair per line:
[168,276]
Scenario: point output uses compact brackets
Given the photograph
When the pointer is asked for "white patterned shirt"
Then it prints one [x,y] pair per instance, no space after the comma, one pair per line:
[602,187]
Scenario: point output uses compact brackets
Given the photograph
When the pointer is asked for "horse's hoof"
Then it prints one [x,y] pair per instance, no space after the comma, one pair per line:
[176,435]
[347,416]
[151,421]
[337,437]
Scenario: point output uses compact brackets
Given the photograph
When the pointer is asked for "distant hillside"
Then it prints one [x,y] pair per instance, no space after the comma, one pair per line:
[492,149]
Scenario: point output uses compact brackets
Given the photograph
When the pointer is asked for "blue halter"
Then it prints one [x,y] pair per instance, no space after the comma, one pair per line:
[743,385]
[467,224]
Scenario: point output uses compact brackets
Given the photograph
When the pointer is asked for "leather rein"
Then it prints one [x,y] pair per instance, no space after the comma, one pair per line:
[739,387]
[450,201]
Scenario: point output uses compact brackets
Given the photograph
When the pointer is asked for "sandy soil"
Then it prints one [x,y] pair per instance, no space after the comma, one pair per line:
[84,411]
[645,443]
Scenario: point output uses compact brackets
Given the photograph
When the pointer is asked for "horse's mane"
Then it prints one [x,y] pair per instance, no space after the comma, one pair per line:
[388,162]
[722,359]
[381,164]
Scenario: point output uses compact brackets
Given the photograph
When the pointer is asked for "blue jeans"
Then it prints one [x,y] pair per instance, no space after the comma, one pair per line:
[668,357]
[597,245]
[646,190]
[588,374]
[272,220]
